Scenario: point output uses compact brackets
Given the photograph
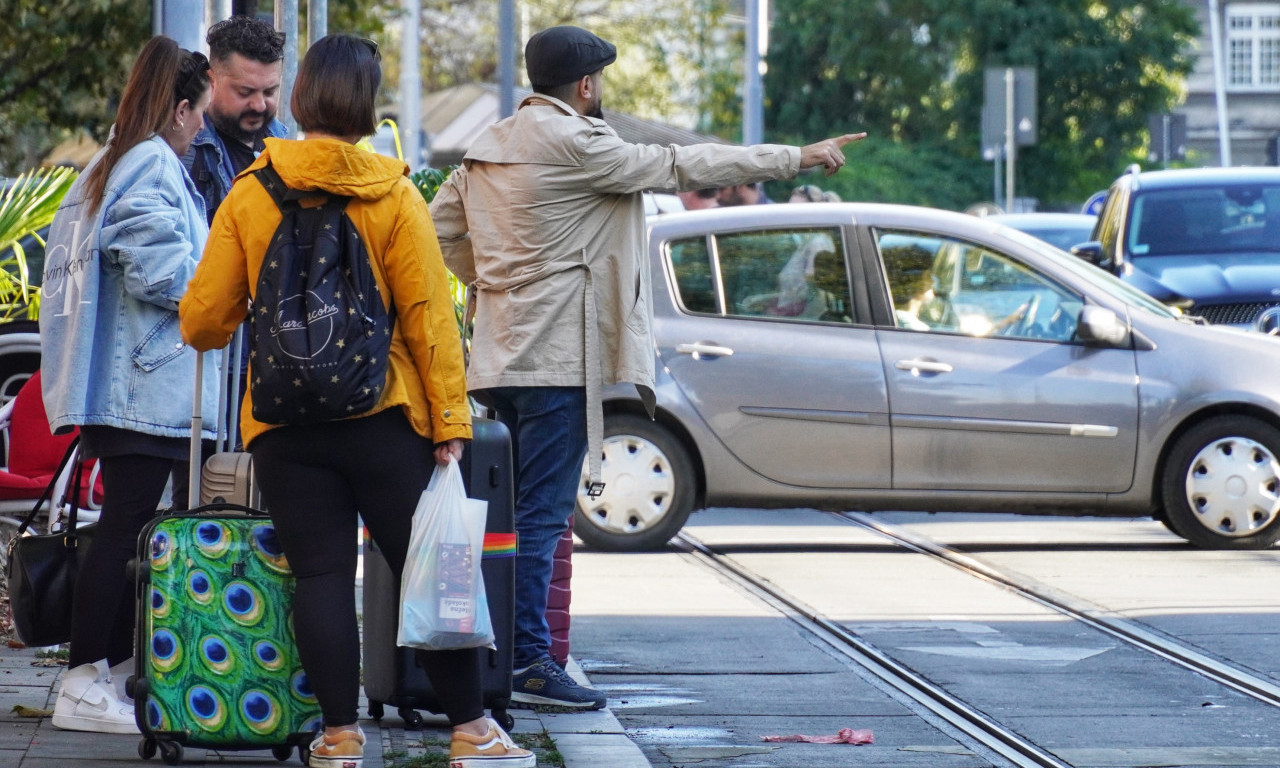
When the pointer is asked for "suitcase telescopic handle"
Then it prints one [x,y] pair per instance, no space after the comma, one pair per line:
[214,507]
[195,455]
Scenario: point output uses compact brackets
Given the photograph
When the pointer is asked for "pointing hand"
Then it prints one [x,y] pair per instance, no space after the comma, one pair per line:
[828,153]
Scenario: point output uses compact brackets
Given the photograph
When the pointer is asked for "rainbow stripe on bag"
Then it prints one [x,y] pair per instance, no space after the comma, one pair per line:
[499,545]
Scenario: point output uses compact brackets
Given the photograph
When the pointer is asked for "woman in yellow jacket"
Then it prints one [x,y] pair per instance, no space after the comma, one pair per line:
[316,478]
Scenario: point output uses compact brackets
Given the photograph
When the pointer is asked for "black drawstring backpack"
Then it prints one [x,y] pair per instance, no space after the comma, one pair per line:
[320,334]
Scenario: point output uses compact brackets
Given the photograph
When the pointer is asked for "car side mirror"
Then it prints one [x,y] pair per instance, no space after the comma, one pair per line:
[1092,253]
[1101,327]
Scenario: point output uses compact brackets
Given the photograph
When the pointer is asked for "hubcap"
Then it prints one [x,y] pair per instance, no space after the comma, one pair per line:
[1233,486]
[638,486]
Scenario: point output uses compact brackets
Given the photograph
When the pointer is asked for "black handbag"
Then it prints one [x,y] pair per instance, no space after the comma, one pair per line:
[41,570]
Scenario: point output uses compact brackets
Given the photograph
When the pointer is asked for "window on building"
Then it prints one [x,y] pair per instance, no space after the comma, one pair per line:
[1253,46]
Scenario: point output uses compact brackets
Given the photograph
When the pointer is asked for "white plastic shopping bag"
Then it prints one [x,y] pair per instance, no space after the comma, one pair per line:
[442,599]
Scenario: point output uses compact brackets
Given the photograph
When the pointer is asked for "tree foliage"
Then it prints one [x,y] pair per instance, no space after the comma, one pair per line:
[911,72]
[27,204]
[665,47]
[61,64]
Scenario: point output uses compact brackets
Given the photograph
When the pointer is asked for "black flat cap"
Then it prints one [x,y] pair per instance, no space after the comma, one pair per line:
[561,55]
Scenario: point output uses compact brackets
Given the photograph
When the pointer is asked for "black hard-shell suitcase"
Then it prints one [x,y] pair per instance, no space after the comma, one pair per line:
[391,677]
[217,666]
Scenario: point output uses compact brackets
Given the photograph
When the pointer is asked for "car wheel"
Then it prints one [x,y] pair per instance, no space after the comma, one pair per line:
[1221,484]
[648,492]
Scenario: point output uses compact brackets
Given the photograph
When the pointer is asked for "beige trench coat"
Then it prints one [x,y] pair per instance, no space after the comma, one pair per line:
[544,221]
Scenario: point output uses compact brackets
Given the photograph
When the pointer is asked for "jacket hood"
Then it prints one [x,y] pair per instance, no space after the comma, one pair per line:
[332,166]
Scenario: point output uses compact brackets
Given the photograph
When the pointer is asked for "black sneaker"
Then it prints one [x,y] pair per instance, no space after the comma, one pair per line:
[545,684]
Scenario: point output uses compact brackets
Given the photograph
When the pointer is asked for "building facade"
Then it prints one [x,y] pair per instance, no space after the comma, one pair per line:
[1250,51]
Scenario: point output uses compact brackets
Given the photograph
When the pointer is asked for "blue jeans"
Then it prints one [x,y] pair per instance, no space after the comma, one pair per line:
[548,443]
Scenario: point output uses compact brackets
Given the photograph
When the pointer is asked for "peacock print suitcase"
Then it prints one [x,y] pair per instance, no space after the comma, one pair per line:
[216,662]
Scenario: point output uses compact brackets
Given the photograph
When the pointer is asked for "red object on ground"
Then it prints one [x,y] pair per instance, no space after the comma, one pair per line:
[559,596]
[845,736]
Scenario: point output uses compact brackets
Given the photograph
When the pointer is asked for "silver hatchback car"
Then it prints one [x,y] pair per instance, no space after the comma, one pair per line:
[879,357]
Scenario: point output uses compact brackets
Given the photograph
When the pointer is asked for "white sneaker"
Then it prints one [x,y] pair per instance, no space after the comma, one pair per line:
[119,676]
[87,703]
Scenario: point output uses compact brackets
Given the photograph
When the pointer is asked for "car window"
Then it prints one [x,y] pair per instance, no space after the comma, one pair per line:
[1244,217]
[785,274]
[1099,278]
[944,285]
[691,264]
[1107,230]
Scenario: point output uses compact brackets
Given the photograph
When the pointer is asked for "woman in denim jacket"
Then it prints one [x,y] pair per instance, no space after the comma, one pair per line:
[121,250]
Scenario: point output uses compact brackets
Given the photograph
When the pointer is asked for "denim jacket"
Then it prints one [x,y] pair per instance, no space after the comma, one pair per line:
[215,175]
[111,351]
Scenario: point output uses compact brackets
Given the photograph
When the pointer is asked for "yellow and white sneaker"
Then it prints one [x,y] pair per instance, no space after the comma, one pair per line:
[493,750]
[344,750]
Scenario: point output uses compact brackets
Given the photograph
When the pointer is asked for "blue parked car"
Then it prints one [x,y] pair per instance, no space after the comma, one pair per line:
[1206,240]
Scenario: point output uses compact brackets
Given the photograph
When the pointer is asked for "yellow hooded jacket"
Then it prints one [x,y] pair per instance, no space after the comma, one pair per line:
[425,375]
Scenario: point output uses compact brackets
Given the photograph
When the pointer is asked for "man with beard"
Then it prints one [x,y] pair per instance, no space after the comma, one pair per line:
[247,59]
[544,221]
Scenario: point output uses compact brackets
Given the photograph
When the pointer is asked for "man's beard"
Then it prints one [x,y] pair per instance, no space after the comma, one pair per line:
[231,126]
[598,111]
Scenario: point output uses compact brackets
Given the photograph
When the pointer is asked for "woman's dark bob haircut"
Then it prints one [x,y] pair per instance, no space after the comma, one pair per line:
[336,86]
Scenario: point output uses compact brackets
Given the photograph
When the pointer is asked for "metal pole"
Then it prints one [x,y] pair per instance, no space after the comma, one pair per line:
[999,193]
[1166,140]
[317,20]
[219,10]
[182,20]
[753,92]
[506,58]
[1219,86]
[1010,143]
[410,86]
[286,20]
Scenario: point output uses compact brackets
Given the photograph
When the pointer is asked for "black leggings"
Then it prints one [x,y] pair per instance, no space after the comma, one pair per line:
[105,605]
[315,480]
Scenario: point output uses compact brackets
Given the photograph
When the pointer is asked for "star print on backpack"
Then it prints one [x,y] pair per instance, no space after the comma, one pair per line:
[320,335]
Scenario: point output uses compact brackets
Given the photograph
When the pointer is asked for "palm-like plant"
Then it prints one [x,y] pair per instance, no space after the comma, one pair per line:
[27,205]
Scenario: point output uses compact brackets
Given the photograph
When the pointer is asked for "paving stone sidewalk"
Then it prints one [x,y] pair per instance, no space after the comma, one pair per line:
[29,685]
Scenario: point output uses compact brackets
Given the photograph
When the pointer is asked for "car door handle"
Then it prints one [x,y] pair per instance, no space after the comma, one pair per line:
[700,350]
[923,366]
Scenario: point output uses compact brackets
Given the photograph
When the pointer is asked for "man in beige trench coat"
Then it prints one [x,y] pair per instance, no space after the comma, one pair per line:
[544,221]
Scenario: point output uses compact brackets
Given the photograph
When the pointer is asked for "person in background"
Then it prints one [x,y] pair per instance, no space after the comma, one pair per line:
[123,246]
[317,479]
[742,194]
[247,56]
[697,199]
[544,221]
[806,193]
[831,197]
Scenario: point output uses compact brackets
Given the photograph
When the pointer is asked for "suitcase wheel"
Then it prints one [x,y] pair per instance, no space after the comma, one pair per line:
[412,720]
[147,748]
[171,752]
[504,719]
[375,710]
[282,752]
[304,754]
